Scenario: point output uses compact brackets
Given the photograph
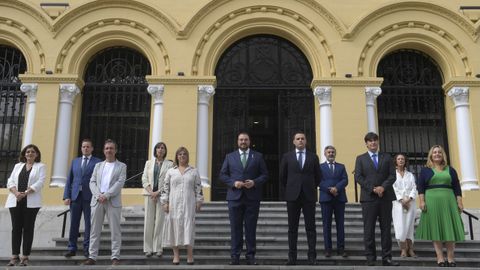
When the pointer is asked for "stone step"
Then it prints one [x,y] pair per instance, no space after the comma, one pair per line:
[219,262]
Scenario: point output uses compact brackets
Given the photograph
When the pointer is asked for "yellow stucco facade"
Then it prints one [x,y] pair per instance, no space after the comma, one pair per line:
[189,37]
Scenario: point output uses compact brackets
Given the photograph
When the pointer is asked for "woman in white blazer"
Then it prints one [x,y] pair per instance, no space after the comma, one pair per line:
[24,201]
[152,182]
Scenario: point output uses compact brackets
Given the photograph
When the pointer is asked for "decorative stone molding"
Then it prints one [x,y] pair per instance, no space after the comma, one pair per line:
[156,90]
[68,92]
[287,13]
[30,89]
[420,26]
[371,94]
[183,80]
[205,92]
[323,95]
[361,82]
[144,30]
[31,10]
[459,95]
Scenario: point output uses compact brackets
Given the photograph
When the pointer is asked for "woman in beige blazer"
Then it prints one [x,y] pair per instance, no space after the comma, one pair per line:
[24,201]
[152,182]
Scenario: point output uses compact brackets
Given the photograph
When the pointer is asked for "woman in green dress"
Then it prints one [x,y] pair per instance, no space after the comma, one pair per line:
[441,204]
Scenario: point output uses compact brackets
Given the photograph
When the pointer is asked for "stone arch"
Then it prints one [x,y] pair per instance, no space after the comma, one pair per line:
[82,45]
[306,38]
[438,44]
[30,9]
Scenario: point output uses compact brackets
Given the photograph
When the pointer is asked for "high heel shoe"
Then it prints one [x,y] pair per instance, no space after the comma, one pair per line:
[24,261]
[191,263]
[176,263]
[13,261]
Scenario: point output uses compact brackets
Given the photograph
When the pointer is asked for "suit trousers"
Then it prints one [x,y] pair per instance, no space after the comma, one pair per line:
[294,208]
[23,224]
[77,207]
[336,208]
[381,209]
[243,212]
[98,214]
[153,230]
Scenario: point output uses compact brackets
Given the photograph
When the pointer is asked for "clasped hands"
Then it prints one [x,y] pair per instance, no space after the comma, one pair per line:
[20,195]
[154,195]
[379,191]
[244,184]
[333,191]
[102,198]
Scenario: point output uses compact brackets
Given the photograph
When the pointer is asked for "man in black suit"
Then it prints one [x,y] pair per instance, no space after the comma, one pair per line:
[300,175]
[244,172]
[375,174]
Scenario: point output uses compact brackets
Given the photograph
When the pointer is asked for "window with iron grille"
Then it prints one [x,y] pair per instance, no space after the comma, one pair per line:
[12,109]
[116,105]
[411,108]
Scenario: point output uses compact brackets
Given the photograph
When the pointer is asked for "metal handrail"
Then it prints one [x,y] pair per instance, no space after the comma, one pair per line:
[470,223]
[65,213]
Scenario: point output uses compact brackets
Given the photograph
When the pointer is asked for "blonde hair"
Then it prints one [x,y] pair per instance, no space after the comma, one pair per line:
[430,163]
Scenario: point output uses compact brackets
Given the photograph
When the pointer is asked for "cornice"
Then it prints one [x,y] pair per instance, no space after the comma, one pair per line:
[54,78]
[358,81]
[170,80]
[428,7]
[464,81]
[421,26]
[63,20]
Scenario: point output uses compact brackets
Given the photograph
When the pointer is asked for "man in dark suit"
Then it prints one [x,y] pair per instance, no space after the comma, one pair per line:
[77,194]
[332,200]
[300,175]
[244,172]
[375,174]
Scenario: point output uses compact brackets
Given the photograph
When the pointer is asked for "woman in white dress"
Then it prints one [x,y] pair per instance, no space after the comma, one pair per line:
[152,182]
[404,208]
[181,198]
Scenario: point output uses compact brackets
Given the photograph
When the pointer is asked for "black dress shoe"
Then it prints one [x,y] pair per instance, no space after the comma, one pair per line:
[291,262]
[69,254]
[342,253]
[252,262]
[234,262]
[328,253]
[390,263]
[370,263]
[312,261]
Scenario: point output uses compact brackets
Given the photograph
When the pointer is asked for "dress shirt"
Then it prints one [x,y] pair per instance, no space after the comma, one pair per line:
[247,152]
[303,155]
[106,176]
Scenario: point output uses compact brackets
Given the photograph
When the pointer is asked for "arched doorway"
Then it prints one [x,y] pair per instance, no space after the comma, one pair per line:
[12,109]
[263,87]
[411,108]
[116,105]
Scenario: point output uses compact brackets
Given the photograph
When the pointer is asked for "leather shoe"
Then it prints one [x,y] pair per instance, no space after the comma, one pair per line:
[370,263]
[291,262]
[328,253]
[89,261]
[252,262]
[115,261]
[389,262]
[234,262]
[342,253]
[69,254]
[312,261]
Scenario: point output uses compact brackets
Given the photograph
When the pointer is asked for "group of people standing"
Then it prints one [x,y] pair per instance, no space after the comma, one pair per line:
[173,196]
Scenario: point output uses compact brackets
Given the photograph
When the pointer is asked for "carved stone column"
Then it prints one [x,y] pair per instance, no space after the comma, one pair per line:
[156,90]
[68,92]
[459,95]
[205,92]
[30,89]
[371,94]
[324,97]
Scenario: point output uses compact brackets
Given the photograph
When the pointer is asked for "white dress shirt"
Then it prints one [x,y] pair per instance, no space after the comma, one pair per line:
[106,176]
[303,155]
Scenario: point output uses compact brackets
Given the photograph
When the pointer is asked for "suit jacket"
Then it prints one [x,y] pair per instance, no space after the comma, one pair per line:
[255,169]
[35,182]
[368,177]
[338,179]
[114,192]
[295,179]
[75,179]
[147,177]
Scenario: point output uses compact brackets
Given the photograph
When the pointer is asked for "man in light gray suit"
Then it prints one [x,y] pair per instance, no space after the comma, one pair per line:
[106,185]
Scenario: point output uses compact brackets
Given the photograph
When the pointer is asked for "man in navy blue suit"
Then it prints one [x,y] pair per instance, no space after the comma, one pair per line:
[332,200]
[300,175]
[244,172]
[77,194]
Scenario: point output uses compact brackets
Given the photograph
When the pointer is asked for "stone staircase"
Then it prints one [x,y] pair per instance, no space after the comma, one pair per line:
[212,244]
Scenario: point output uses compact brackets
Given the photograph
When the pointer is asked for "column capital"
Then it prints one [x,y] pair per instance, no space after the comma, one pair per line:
[30,89]
[68,91]
[371,93]
[323,94]
[205,92]
[156,90]
[459,95]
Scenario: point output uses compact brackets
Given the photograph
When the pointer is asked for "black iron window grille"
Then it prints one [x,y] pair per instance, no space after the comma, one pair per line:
[12,109]
[116,105]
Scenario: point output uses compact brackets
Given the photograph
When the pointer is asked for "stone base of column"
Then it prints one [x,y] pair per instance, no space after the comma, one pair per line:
[58,181]
[469,184]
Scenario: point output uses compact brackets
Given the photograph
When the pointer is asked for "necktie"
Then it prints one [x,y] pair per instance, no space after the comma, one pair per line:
[300,159]
[331,167]
[84,164]
[244,159]
[375,161]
